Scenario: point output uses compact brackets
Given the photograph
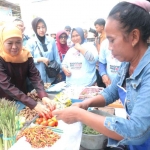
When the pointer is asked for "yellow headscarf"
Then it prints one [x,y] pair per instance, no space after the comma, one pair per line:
[7,32]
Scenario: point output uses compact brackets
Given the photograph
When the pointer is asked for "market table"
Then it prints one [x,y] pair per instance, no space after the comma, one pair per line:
[115,108]
[71,137]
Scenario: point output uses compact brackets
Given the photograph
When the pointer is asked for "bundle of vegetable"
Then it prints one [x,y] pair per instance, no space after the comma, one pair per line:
[8,111]
[62,100]
[39,136]
[1,142]
[20,121]
[89,130]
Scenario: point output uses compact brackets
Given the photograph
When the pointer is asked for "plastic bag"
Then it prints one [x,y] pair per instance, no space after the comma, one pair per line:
[70,139]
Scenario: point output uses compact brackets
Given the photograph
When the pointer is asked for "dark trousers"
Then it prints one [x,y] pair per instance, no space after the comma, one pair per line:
[99,80]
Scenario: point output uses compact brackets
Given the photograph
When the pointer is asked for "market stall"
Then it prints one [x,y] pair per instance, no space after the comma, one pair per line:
[28,122]
[22,123]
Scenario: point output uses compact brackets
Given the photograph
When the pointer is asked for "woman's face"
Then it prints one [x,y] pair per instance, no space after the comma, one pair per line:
[76,37]
[13,46]
[41,29]
[119,43]
[63,38]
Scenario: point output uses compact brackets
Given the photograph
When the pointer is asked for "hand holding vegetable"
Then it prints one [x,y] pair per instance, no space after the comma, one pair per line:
[68,115]
[41,109]
[46,101]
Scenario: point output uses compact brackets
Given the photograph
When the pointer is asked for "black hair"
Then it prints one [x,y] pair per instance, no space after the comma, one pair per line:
[99,21]
[18,19]
[68,27]
[132,17]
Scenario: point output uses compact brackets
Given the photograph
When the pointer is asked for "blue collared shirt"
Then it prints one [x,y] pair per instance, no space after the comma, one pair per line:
[136,129]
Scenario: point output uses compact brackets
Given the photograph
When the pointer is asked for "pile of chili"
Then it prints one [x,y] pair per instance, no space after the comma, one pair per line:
[39,136]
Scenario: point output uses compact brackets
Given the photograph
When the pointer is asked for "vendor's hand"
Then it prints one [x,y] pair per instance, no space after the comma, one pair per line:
[68,115]
[66,72]
[106,80]
[42,109]
[46,101]
[82,105]
[78,47]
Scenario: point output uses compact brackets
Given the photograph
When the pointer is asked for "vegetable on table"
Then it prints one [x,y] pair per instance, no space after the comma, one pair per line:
[52,122]
[39,136]
[1,144]
[28,113]
[8,112]
[89,130]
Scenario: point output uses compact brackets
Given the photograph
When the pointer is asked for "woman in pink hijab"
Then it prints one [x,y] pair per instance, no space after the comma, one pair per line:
[61,42]
[61,39]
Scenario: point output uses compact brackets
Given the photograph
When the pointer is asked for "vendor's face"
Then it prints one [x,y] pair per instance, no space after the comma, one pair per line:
[75,37]
[13,46]
[63,38]
[41,29]
[119,42]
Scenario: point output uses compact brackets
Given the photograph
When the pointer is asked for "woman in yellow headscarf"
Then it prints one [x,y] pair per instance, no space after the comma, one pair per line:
[16,64]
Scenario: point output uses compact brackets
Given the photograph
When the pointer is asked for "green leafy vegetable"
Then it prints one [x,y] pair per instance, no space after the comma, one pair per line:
[89,130]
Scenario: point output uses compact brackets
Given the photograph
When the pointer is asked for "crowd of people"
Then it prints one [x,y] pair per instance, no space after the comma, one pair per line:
[117,60]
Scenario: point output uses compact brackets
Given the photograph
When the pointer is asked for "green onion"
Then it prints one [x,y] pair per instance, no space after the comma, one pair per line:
[8,111]
[1,144]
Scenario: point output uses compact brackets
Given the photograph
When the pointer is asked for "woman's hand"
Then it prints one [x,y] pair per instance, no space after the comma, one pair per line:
[46,101]
[68,115]
[66,71]
[44,60]
[78,47]
[106,80]
[42,109]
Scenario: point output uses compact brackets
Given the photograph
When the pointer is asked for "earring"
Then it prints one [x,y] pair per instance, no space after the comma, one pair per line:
[133,45]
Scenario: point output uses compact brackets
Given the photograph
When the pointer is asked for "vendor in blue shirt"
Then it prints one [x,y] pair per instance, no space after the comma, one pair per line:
[127,29]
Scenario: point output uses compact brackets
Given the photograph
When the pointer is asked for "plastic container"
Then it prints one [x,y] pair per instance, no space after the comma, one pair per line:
[76,100]
[95,142]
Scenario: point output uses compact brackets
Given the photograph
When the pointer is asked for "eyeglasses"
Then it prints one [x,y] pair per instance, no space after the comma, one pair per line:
[63,37]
